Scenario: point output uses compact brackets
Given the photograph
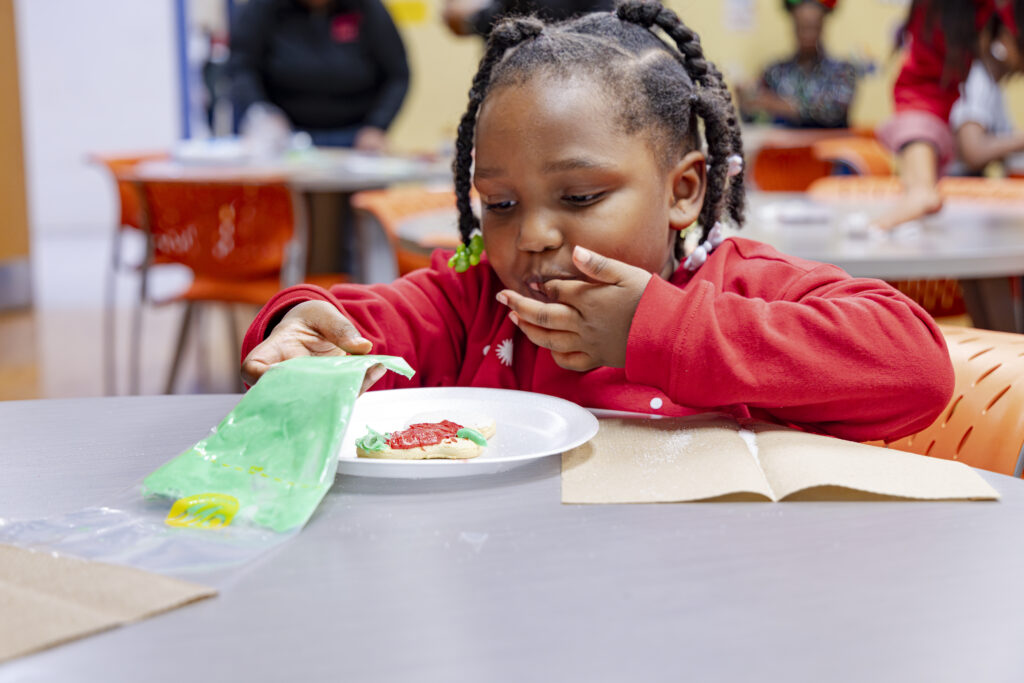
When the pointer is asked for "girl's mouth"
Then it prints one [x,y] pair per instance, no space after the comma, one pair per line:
[535,285]
[535,288]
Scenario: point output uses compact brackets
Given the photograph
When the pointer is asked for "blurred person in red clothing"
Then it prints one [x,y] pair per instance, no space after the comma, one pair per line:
[941,41]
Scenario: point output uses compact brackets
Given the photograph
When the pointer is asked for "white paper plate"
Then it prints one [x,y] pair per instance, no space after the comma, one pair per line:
[529,426]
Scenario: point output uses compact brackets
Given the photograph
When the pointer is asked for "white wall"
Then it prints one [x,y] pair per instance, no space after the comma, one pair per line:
[96,76]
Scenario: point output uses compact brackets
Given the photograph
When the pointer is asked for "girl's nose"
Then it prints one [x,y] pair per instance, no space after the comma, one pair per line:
[538,231]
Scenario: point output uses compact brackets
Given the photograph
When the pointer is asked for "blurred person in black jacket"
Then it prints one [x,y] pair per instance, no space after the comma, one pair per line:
[336,69]
[468,17]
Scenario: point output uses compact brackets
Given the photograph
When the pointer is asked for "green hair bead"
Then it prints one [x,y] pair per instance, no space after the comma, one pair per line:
[466,256]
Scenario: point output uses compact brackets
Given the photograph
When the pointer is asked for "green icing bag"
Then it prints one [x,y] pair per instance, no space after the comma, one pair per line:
[272,459]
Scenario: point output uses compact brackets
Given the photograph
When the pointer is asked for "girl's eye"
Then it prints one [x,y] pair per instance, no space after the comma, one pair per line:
[498,207]
[583,199]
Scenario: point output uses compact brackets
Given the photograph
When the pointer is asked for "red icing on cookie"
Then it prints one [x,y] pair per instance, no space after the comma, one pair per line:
[423,434]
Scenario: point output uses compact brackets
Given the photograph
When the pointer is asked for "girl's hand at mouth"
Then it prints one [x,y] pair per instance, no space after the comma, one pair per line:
[587,324]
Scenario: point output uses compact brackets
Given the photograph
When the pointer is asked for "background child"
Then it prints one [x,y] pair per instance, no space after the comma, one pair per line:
[809,89]
[980,120]
[588,162]
[941,39]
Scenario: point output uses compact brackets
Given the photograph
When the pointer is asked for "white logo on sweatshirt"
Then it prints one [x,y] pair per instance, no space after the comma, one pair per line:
[504,352]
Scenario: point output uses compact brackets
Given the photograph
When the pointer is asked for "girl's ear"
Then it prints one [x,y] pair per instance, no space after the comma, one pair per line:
[689,182]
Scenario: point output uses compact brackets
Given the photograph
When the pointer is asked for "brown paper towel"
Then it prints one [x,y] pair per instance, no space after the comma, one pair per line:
[638,460]
[46,600]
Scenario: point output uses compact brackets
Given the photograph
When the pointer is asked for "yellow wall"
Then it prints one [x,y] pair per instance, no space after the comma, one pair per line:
[443,64]
[13,211]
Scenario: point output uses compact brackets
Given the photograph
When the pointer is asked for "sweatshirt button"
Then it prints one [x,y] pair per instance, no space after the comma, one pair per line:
[655,402]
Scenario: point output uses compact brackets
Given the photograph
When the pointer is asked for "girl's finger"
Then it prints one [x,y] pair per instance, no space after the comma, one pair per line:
[557,341]
[371,377]
[252,370]
[568,292]
[600,268]
[553,316]
[339,330]
[575,360]
[269,352]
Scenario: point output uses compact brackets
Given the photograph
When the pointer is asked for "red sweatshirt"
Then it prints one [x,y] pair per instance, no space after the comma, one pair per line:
[920,85]
[752,332]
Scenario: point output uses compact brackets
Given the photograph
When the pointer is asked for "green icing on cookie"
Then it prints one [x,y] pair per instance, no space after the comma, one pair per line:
[473,435]
[373,441]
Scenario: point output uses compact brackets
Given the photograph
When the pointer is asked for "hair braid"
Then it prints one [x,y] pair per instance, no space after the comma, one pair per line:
[663,89]
[713,105]
[508,33]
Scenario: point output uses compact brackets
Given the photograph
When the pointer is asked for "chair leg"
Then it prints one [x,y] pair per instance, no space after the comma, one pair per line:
[179,349]
[202,349]
[134,359]
[990,303]
[236,349]
[109,317]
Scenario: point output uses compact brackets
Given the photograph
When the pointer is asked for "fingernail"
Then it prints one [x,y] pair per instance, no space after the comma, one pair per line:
[535,286]
[360,340]
[502,298]
[582,255]
[514,318]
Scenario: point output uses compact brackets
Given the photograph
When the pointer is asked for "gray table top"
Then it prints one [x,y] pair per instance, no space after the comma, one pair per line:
[319,170]
[493,579]
[965,240]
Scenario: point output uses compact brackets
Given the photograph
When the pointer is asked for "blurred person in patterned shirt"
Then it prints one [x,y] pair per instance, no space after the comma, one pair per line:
[810,89]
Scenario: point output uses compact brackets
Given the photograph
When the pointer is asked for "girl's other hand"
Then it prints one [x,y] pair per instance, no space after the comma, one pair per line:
[313,328]
[586,325]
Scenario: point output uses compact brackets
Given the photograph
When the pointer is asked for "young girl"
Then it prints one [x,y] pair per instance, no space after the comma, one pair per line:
[941,41]
[589,166]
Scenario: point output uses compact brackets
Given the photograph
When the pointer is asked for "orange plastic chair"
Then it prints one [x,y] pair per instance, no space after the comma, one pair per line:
[128,194]
[861,155]
[983,425]
[242,242]
[983,189]
[787,169]
[855,188]
[790,159]
[858,188]
[129,218]
[386,209]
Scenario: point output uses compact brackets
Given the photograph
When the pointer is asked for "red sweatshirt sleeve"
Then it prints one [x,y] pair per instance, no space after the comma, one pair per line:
[795,341]
[421,317]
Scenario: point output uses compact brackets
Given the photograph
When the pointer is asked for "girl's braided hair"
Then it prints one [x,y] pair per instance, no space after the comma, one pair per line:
[663,92]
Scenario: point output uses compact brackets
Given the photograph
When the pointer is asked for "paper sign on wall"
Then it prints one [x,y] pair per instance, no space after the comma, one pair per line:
[738,15]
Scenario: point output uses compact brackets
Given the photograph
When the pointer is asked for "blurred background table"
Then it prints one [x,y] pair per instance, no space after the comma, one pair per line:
[335,243]
[493,579]
[964,240]
[981,244]
[310,170]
